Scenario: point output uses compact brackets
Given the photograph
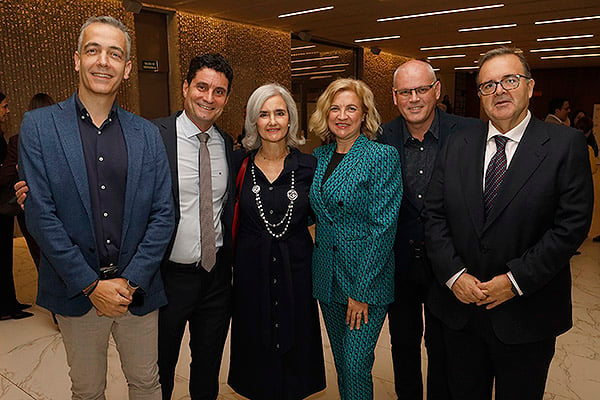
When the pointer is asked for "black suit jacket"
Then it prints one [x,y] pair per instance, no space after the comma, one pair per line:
[410,223]
[541,215]
[168,131]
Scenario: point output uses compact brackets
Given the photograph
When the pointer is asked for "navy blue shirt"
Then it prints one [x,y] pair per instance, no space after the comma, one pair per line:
[105,155]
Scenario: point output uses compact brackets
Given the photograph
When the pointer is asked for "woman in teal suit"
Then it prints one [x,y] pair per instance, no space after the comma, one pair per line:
[355,194]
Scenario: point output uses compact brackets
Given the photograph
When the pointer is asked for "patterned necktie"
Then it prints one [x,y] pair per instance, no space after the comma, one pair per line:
[495,173]
[207,227]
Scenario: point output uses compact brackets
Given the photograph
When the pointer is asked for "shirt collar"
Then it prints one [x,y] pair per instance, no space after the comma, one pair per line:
[190,129]
[515,134]
[434,129]
[83,113]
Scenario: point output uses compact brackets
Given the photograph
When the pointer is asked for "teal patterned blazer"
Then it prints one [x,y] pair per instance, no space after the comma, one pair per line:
[357,210]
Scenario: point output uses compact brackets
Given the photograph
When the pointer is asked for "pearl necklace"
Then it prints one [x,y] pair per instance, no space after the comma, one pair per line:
[291,195]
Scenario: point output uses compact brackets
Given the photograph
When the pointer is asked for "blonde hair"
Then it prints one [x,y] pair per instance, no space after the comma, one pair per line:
[252,139]
[370,125]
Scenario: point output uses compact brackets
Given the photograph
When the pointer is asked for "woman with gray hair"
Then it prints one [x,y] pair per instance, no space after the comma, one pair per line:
[276,349]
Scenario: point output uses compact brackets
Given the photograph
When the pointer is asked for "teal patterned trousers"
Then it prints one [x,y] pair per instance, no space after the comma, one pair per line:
[353,350]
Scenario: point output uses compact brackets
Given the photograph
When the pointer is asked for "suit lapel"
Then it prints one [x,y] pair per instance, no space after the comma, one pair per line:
[472,176]
[67,129]
[323,159]
[345,168]
[526,160]
[135,142]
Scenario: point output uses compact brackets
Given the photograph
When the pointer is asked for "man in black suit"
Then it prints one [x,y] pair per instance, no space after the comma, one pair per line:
[418,133]
[197,293]
[506,209]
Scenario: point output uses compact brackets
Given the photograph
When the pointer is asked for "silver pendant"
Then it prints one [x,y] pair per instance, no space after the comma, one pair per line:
[292,194]
[255,189]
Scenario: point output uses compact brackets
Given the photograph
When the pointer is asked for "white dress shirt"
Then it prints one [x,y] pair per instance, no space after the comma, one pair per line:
[186,248]
[514,135]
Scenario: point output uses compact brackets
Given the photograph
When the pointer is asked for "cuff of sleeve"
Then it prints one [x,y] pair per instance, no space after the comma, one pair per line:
[454,277]
[514,282]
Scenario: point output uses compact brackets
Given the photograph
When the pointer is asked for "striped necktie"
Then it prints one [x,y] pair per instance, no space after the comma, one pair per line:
[495,173]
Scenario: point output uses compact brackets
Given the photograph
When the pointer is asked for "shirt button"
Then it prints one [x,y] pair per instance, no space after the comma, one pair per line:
[421,171]
[107,241]
[110,120]
[274,281]
[276,302]
[99,132]
[271,188]
[276,325]
[422,148]
[274,259]
[105,214]
[102,187]
[277,345]
[419,196]
[100,158]
[271,212]
[83,117]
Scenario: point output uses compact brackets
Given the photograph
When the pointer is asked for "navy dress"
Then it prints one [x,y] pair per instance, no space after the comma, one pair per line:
[276,348]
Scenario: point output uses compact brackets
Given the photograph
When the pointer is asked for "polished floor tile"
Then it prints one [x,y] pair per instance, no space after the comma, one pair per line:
[33,362]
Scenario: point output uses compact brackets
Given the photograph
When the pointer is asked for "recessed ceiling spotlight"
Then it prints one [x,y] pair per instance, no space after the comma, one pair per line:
[455,46]
[570,56]
[310,46]
[555,21]
[483,28]
[312,10]
[564,48]
[565,37]
[459,68]
[429,14]
[321,77]
[376,38]
[304,68]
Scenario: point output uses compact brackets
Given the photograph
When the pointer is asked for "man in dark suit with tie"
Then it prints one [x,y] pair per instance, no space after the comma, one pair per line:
[197,267]
[418,134]
[506,209]
[101,211]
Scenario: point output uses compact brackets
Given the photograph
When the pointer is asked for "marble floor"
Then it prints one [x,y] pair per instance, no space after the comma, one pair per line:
[33,363]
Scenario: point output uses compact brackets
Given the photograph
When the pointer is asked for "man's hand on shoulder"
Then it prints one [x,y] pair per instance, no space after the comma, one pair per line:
[466,289]
[111,297]
[498,290]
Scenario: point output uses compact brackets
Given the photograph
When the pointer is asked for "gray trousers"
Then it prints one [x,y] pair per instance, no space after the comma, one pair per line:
[86,343]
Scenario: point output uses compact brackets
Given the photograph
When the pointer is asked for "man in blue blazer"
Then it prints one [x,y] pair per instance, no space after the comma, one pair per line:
[418,134]
[100,208]
[506,209]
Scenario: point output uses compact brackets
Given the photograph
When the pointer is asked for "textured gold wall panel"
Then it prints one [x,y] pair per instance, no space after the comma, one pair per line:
[257,56]
[37,42]
[378,72]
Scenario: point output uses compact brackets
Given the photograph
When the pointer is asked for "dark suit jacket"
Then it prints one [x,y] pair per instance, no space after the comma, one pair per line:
[410,223]
[168,131]
[59,215]
[540,217]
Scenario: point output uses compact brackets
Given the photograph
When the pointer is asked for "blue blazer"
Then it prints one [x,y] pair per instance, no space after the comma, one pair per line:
[357,211]
[58,211]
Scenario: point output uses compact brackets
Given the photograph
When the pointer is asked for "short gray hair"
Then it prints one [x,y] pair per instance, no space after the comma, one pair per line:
[252,139]
[104,19]
[503,51]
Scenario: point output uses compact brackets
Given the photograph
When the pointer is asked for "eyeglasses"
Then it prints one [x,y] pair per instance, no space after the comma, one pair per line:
[509,82]
[419,90]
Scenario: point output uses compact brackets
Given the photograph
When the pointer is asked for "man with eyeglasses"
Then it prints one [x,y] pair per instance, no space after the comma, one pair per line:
[418,133]
[506,209]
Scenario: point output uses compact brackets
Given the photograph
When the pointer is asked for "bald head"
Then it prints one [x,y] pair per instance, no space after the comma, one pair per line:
[416,92]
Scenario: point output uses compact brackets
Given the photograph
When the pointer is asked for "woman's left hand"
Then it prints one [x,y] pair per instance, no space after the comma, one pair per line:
[356,313]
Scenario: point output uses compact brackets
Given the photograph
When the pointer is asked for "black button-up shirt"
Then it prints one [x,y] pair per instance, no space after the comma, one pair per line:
[419,160]
[105,155]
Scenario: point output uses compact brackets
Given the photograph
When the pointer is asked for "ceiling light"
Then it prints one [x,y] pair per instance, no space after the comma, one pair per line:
[429,14]
[466,67]
[304,68]
[436,69]
[310,46]
[565,37]
[306,53]
[448,56]
[570,56]
[321,77]
[315,59]
[554,21]
[454,46]
[564,48]
[312,10]
[377,38]
[334,65]
[318,72]
[483,28]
